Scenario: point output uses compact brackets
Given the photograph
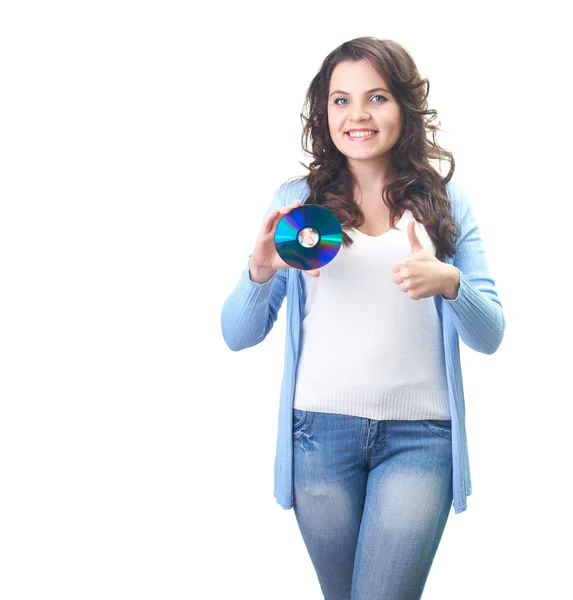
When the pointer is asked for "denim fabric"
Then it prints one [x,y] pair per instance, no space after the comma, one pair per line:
[371,499]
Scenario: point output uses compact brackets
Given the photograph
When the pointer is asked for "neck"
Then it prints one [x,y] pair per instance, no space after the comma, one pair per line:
[370,175]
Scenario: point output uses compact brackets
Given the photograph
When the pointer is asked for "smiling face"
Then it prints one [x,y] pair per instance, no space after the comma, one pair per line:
[355,102]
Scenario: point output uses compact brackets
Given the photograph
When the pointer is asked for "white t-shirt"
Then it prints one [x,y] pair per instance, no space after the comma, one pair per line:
[368,349]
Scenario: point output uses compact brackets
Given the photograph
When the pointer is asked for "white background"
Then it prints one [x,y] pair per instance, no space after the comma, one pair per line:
[141,143]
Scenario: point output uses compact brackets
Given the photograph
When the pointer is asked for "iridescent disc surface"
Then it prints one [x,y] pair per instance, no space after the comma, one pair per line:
[312,248]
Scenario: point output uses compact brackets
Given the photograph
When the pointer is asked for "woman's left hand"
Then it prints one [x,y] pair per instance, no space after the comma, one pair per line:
[420,275]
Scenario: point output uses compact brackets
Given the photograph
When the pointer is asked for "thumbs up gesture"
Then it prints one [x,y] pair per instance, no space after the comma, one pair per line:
[421,274]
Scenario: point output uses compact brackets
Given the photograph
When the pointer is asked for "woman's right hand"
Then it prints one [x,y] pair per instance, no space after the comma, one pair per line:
[265,255]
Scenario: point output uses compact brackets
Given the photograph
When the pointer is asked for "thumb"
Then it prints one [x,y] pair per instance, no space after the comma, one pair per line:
[415,243]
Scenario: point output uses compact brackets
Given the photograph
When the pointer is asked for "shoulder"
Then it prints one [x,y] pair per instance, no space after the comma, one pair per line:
[294,189]
[458,197]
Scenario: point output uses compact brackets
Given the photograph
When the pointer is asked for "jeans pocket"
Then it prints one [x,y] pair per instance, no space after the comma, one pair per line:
[298,418]
[440,427]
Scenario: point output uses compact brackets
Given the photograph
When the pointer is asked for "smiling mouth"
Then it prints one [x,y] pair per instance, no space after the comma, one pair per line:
[361,138]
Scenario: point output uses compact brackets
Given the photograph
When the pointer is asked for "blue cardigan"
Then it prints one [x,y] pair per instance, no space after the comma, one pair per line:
[476,316]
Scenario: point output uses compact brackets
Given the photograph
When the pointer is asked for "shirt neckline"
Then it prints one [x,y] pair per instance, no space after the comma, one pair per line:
[377,237]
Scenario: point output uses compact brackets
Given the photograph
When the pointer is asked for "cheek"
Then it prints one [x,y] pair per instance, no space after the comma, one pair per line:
[334,135]
[331,128]
[333,122]
[390,121]
[397,120]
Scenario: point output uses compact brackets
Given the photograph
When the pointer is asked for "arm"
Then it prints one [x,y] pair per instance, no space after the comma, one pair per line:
[476,311]
[249,312]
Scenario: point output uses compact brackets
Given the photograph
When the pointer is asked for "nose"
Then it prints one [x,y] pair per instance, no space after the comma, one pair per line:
[359,114]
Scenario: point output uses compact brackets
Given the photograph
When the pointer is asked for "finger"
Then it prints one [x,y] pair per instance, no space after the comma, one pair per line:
[276,220]
[268,225]
[283,210]
[273,220]
[277,215]
[295,204]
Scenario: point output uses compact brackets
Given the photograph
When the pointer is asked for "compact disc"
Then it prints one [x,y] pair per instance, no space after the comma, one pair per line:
[308,237]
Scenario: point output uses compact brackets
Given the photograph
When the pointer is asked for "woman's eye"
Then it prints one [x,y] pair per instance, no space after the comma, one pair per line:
[375,96]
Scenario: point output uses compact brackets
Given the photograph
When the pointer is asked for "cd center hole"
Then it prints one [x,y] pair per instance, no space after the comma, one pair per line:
[308,237]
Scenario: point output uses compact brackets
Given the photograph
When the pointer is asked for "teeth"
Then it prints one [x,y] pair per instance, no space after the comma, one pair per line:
[361,133]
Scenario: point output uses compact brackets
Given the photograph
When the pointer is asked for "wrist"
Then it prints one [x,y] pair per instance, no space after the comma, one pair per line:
[260,275]
[453,283]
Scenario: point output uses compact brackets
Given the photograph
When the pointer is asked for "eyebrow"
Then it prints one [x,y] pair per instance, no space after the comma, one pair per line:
[368,92]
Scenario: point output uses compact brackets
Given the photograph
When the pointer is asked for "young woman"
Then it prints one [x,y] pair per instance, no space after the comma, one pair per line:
[372,447]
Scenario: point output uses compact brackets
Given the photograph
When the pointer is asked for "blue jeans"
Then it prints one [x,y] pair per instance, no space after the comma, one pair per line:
[371,499]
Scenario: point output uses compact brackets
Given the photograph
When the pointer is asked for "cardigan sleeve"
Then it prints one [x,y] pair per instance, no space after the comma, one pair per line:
[476,312]
[250,311]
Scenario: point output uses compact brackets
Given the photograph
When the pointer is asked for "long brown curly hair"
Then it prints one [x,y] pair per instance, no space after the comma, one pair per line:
[412,183]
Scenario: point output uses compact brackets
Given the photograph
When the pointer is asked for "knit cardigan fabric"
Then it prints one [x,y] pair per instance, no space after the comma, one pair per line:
[475,316]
